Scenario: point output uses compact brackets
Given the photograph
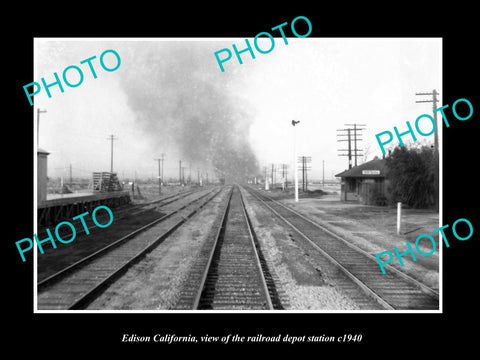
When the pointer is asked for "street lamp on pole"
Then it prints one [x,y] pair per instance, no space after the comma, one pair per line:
[295,171]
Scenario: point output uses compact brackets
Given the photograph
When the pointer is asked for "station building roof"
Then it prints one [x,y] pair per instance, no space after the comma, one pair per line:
[375,168]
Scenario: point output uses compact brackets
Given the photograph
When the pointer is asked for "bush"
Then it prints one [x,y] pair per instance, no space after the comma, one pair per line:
[411,173]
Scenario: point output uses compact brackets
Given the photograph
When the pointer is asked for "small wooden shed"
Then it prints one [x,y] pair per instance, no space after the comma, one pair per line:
[365,183]
[42,174]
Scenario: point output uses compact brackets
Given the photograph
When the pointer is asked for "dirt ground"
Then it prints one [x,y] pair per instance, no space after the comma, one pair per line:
[298,276]
[374,228]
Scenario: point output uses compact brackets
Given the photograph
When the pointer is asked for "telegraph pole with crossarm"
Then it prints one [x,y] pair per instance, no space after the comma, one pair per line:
[357,128]
[434,100]
[436,157]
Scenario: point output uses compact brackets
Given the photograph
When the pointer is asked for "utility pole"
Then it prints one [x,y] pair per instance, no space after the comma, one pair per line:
[189,173]
[180,172]
[111,138]
[305,160]
[38,122]
[159,175]
[284,175]
[71,182]
[183,174]
[303,173]
[349,150]
[305,166]
[323,173]
[266,178]
[272,177]
[356,128]
[162,159]
[434,100]
[308,160]
[294,123]
[436,157]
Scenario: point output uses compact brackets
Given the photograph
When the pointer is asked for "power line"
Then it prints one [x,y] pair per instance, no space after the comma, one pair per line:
[160,173]
[180,172]
[352,134]
[183,175]
[434,100]
[284,175]
[305,160]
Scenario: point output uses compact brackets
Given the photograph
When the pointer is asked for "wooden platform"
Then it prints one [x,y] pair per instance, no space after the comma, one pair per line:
[60,207]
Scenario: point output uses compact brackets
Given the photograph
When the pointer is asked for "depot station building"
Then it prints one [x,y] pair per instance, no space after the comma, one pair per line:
[366,183]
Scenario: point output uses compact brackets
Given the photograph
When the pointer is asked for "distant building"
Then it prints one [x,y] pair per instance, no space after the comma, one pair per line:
[365,183]
[42,174]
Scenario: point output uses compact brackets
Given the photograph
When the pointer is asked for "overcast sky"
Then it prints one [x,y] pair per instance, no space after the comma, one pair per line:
[171,91]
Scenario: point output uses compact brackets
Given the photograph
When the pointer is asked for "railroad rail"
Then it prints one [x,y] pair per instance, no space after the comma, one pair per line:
[80,283]
[394,290]
[230,273]
[132,210]
[158,211]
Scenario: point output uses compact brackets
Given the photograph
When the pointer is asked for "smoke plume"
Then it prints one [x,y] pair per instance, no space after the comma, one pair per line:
[180,99]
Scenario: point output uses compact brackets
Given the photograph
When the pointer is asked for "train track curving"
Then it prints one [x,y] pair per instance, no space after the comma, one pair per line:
[77,285]
[230,272]
[394,290]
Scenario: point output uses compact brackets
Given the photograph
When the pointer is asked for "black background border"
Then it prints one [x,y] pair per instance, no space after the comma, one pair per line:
[87,333]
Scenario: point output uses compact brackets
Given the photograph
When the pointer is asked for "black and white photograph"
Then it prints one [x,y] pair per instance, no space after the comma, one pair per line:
[259,187]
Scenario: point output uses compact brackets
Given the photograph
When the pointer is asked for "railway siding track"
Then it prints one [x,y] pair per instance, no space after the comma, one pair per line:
[76,286]
[393,291]
[135,210]
[229,273]
[48,268]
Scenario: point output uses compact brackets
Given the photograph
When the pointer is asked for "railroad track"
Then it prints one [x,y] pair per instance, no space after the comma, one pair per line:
[143,218]
[230,272]
[394,290]
[80,283]
[135,210]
